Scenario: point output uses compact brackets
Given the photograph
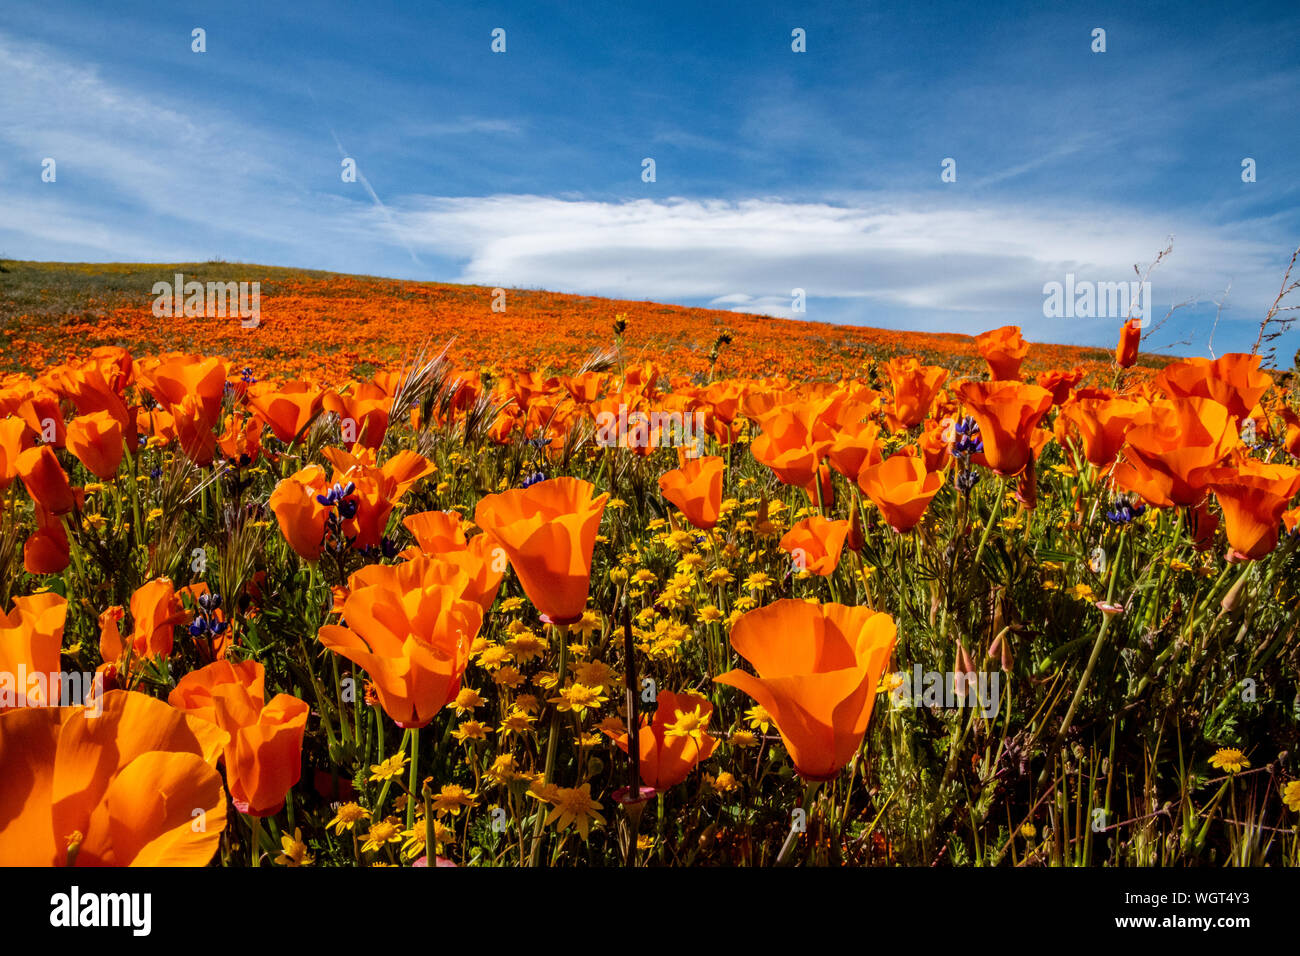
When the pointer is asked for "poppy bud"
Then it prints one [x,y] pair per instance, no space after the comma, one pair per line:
[854,539]
[1130,337]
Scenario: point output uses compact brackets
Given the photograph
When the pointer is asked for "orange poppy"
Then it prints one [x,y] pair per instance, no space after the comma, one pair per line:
[901,488]
[1253,496]
[815,544]
[31,638]
[174,378]
[263,756]
[300,516]
[1060,383]
[45,480]
[412,638]
[696,488]
[855,446]
[1233,380]
[915,386]
[674,741]
[1007,414]
[193,692]
[15,438]
[96,440]
[46,550]
[124,788]
[1003,349]
[241,440]
[40,411]
[194,430]
[1100,425]
[1165,459]
[437,531]
[363,414]
[793,442]
[548,532]
[288,409]
[156,611]
[818,666]
[1130,340]
[933,445]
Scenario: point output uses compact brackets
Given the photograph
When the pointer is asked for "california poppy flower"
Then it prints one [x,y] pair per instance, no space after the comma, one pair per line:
[934,445]
[1100,424]
[193,692]
[1165,460]
[156,611]
[437,531]
[548,532]
[39,409]
[118,789]
[289,409]
[194,430]
[172,379]
[915,386]
[96,440]
[412,639]
[793,442]
[815,544]
[15,438]
[440,535]
[376,490]
[1007,414]
[855,446]
[1233,380]
[901,488]
[92,391]
[263,756]
[1253,496]
[363,413]
[1059,383]
[1004,349]
[674,741]
[31,638]
[696,488]
[300,514]
[817,666]
[1291,440]
[1130,340]
[46,550]
[240,440]
[45,480]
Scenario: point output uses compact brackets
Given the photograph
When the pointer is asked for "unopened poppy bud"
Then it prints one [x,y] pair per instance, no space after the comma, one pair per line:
[1232,600]
[854,539]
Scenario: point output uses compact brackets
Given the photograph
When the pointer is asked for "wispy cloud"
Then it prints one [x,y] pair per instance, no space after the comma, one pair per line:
[899,253]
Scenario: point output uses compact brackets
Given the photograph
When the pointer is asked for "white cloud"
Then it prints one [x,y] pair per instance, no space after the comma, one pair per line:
[144,178]
[904,253]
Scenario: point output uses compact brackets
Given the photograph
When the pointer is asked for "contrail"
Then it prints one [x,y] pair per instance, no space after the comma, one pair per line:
[374,196]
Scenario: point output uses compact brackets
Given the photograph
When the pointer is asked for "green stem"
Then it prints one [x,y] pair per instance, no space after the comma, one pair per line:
[552,741]
[993,517]
[255,823]
[1092,659]
[410,786]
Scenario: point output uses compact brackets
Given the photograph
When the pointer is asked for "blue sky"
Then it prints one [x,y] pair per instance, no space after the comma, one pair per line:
[775,170]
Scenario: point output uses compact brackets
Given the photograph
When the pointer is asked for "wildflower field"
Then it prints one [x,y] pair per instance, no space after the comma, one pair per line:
[394,579]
